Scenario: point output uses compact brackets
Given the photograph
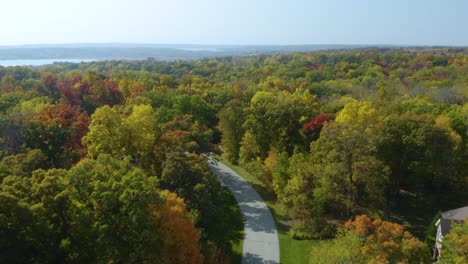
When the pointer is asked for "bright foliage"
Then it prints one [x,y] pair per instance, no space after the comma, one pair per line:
[387,242]
[399,137]
[181,239]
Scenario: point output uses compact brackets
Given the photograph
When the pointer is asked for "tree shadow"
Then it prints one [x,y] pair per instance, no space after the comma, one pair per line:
[258,216]
[249,258]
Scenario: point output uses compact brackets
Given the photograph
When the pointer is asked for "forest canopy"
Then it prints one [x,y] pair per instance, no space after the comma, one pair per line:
[95,157]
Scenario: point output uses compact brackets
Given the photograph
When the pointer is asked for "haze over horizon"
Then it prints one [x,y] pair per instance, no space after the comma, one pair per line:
[243,22]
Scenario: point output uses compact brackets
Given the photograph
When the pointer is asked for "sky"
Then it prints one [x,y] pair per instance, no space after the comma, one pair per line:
[235,22]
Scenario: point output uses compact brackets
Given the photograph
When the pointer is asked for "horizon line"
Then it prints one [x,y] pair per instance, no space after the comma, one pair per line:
[225,45]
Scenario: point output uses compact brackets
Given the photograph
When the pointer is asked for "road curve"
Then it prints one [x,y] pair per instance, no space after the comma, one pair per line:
[261,237]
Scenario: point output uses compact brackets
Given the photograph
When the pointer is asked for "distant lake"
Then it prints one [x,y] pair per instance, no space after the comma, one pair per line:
[7,63]
[202,49]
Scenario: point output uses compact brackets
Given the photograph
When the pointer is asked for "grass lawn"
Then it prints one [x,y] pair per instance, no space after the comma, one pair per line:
[292,251]
[295,251]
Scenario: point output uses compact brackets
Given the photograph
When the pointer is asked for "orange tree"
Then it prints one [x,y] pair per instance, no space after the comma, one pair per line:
[387,242]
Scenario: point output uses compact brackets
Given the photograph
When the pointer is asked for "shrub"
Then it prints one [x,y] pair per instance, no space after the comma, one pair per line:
[315,228]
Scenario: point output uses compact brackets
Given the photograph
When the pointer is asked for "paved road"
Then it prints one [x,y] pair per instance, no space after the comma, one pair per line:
[261,237]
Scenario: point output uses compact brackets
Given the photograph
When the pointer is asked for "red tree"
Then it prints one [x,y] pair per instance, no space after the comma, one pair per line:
[68,118]
[316,123]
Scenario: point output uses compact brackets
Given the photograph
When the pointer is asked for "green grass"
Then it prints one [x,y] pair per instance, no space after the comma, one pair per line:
[295,251]
[292,251]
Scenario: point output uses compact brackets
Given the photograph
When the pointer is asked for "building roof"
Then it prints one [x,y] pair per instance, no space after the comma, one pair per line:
[456,215]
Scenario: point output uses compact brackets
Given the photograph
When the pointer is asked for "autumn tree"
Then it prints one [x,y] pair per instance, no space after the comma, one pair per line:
[50,86]
[399,127]
[387,242]
[315,125]
[116,134]
[90,91]
[57,131]
[138,135]
[69,118]
[104,133]
[181,239]
[200,136]
[98,91]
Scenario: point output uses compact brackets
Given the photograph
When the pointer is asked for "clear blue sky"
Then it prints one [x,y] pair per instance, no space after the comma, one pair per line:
[413,22]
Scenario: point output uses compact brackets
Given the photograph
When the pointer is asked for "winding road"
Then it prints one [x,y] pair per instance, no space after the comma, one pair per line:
[261,237]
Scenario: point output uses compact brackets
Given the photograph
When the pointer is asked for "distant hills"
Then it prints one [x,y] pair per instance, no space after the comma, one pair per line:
[143,51]
[165,52]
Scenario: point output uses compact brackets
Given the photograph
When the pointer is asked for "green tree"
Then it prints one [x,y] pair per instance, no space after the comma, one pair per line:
[249,149]
[231,119]
[22,164]
[50,139]
[195,106]
[350,172]
[277,167]
[455,244]
[421,150]
[16,224]
[275,120]
[297,196]
[347,152]
[214,212]
[345,248]
[111,201]
[446,148]
[102,210]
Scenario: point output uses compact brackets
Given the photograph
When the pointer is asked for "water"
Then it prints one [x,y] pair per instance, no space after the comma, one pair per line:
[201,49]
[7,63]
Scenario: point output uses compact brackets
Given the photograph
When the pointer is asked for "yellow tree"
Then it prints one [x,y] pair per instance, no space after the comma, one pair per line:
[138,134]
[359,113]
[104,133]
[118,135]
